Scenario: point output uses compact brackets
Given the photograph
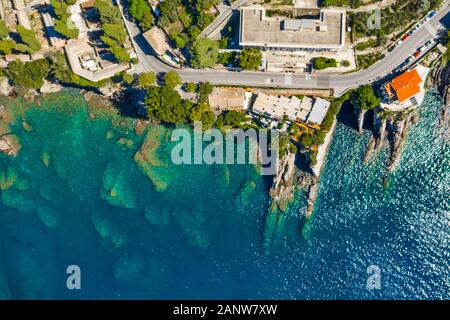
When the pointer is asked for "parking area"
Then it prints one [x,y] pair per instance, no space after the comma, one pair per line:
[300,61]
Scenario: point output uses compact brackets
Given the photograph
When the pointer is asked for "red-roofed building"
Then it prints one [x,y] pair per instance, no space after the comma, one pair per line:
[406,85]
[406,90]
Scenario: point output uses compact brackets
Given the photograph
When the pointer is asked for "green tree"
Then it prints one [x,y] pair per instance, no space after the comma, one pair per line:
[169,12]
[128,78]
[7,45]
[250,59]
[191,87]
[171,80]
[147,79]
[147,20]
[115,31]
[365,98]
[204,53]
[108,12]
[28,75]
[29,38]
[205,88]
[4,31]
[61,27]
[120,54]
[321,63]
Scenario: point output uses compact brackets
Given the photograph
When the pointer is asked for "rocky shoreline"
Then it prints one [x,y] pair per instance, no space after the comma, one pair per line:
[387,128]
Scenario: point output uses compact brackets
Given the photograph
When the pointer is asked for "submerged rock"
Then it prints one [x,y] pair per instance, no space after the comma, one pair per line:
[45,158]
[157,216]
[10,145]
[116,189]
[108,232]
[48,216]
[149,162]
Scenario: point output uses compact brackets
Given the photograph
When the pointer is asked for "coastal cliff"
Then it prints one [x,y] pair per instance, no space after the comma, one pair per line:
[283,186]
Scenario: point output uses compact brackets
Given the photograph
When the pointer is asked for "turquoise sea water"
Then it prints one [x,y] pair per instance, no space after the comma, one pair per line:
[75,195]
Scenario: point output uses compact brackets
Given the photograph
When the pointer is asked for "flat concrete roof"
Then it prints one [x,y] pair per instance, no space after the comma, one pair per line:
[277,106]
[319,110]
[325,32]
[306,4]
[227,98]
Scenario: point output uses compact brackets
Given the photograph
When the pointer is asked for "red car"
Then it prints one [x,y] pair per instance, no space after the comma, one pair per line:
[406,36]
[417,53]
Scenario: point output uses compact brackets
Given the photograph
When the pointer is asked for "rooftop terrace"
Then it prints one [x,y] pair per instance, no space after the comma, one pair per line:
[327,31]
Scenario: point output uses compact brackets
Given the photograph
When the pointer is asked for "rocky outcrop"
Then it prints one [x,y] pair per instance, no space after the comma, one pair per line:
[443,126]
[5,88]
[312,195]
[49,87]
[359,113]
[9,145]
[288,180]
[398,130]
[378,137]
[283,186]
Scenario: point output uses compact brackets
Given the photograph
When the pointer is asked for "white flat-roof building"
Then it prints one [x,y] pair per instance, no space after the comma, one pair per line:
[319,110]
[277,106]
[326,31]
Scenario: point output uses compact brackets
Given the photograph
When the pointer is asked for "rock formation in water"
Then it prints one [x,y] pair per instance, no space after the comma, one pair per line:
[359,113]
[440,78]
[392,128]
[283,186]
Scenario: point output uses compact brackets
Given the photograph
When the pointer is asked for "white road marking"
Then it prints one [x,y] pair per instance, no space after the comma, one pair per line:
[430,29]
[288,78]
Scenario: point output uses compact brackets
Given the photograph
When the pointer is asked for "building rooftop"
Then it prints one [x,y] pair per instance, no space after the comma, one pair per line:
[319,110]
[327,31]
[277,106]
[157,40]
[406,85]
[87,4]
[227,98]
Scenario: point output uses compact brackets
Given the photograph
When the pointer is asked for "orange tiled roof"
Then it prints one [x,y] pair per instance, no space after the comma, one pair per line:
[406,85]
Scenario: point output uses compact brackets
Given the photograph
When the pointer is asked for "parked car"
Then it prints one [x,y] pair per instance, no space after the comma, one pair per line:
[432,14]
[416,54]
[429,43]
[406,36]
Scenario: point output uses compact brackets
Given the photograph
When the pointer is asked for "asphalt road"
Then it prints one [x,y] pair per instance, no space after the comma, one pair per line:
[339,83]
[222,18]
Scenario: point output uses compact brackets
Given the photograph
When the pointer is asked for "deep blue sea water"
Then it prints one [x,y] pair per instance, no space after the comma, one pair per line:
[78,198]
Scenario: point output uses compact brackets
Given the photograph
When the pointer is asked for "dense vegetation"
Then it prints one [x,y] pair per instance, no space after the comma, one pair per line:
[394,18]
[29,75]
[341,3]
[4,31]
[365,98]
[166,105]
[147,79]
[114,30]
[366,60]
[141,11]
[185,19]
[28,38]
[321,63]
[250,59]
[204,53]
[63,25]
